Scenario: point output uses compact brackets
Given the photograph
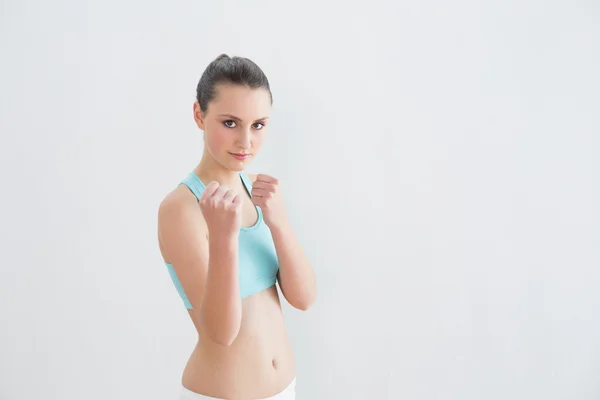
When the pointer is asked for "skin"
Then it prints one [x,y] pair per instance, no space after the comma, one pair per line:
[243,350]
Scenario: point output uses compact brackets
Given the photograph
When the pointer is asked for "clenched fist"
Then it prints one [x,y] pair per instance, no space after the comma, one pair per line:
[222,210]
[266,194]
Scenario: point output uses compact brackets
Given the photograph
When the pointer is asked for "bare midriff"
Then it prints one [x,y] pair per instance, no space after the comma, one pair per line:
[258,364]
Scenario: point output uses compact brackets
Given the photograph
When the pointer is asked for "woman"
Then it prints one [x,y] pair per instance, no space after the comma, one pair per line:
[226,241]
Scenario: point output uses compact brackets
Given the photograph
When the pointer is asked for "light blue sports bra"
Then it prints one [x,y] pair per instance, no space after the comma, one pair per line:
[257,259]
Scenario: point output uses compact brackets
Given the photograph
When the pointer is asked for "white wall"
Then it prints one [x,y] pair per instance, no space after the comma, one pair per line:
[438,166]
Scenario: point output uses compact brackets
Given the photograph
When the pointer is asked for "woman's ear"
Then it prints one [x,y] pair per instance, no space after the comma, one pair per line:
[198,115]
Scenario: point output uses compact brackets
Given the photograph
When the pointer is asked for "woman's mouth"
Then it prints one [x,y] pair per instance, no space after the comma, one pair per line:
[240,156]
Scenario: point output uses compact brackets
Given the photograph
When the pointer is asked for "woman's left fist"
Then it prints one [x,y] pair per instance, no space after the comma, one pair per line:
[266,194]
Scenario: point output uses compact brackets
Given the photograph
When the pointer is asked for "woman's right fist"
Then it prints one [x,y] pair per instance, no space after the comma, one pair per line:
[222,209]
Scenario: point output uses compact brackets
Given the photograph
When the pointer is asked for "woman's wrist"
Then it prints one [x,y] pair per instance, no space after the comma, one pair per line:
[223,241]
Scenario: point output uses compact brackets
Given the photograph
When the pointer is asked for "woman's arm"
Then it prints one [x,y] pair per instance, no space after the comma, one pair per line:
[210,283]
[296,276]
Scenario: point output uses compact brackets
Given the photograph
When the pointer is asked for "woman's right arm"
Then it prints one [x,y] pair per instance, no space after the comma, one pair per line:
[207,269]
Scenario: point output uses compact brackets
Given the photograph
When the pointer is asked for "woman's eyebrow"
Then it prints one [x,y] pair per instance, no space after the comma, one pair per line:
[239,119]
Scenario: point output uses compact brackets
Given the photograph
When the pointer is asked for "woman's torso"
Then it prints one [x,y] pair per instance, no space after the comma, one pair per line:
[259,363]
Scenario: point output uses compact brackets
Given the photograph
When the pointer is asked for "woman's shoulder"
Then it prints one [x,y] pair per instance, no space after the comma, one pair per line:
[179,205]
[178,197]
[179,216]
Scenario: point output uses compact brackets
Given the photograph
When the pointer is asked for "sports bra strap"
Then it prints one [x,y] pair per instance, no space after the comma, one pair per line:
[195,184]
[247,183]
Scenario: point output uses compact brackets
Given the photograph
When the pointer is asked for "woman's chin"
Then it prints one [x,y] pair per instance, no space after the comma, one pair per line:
[237,166]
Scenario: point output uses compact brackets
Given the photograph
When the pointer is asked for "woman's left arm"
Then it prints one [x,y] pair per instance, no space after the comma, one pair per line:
[296,276]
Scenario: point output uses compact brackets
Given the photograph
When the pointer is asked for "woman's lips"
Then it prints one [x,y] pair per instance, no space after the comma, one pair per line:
[240,156]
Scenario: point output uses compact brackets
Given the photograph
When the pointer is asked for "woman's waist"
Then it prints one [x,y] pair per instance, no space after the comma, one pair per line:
[261,354]
[250,365]
[262,342]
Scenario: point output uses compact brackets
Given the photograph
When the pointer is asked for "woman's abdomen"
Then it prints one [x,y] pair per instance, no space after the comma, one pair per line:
[258,363]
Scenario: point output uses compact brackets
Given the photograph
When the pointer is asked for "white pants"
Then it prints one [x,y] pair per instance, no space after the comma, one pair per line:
[288,393]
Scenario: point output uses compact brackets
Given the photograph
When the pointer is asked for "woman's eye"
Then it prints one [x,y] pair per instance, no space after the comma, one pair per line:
[261,125]
[229,124]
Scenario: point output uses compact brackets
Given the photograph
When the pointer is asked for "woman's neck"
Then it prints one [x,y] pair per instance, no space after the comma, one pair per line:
[209,170]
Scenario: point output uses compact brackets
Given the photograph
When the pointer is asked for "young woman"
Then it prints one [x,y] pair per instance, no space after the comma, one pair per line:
[226,241]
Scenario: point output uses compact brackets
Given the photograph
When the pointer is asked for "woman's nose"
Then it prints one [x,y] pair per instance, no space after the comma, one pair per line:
[244,139]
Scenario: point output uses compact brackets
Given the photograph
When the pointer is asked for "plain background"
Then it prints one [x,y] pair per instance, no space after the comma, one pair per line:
[437,162]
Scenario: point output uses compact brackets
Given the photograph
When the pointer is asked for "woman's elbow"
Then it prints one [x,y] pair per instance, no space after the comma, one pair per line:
[303,303]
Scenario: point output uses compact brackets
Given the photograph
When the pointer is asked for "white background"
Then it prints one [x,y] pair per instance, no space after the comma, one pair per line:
[438,166]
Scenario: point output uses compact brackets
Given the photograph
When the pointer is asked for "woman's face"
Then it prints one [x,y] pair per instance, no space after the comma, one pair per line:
[235,124]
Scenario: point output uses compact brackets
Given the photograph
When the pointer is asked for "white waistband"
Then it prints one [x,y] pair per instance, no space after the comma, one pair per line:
[289,393]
